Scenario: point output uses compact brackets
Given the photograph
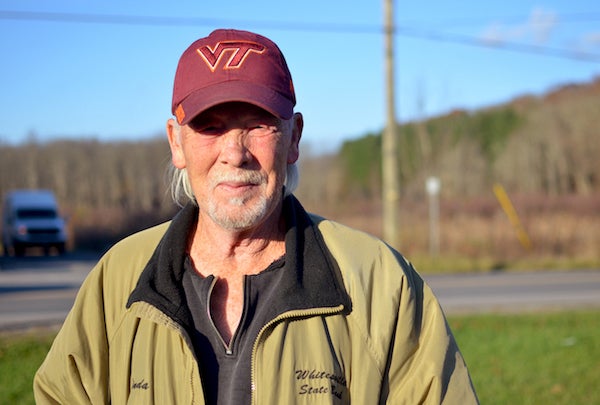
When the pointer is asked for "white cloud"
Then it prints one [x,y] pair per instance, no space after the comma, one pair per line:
[591,39]
[587,45]
[537,28]
[542,23]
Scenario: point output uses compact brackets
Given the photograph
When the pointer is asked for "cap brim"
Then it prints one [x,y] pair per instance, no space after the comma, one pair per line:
[235,91]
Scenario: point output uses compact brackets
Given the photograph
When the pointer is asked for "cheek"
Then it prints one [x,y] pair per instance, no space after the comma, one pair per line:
[198,158]
[197,165]
[280,166]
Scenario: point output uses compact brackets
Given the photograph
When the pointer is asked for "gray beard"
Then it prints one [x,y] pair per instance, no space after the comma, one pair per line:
[238,214]
[245,217]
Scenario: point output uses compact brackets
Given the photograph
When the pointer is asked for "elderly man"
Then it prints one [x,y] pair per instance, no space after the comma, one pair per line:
[244,297]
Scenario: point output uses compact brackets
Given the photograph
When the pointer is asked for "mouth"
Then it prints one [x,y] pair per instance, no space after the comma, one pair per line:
[239,183]
[236,186]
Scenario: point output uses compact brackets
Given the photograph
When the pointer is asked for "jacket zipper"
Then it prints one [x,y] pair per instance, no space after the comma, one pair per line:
[287,315]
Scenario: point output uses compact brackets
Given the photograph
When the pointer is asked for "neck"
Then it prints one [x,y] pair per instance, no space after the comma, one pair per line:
[223,252]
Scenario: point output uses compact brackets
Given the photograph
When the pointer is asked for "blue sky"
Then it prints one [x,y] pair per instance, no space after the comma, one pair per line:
[104,69]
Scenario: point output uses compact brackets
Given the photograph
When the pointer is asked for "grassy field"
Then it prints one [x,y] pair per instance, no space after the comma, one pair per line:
[532,359]
[514,359]
[20,356]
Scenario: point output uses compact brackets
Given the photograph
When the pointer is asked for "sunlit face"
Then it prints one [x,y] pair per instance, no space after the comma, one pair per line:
[236,156]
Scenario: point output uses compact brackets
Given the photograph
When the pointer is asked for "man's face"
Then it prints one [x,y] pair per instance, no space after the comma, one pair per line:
[236,156]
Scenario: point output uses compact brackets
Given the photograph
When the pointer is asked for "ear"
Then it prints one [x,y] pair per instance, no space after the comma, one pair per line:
[174,137]
[297,126]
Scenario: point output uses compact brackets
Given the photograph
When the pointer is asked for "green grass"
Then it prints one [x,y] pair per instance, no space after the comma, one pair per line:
[532,359]
[20,357]
[551,358]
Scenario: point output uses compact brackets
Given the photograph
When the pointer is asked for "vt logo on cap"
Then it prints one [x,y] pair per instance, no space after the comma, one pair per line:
[239,51]
[232,66]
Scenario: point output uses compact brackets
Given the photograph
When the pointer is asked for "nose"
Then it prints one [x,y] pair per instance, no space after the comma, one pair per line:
[234,149]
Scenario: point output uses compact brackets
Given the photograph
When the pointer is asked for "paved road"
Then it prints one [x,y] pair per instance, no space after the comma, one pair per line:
[39,291]
[517,292]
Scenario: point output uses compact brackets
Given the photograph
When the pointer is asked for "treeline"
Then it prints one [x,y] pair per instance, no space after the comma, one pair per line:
[105,189]
[548,145]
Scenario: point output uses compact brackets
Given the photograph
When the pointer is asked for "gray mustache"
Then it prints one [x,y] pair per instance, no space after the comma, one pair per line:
[248,176]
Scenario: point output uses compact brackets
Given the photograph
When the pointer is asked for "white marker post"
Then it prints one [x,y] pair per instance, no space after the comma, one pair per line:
[433,185]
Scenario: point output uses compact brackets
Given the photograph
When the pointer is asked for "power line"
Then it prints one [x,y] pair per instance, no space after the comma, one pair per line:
[124,19]
[563,18]
[401,30]
[128,19]
[500,45]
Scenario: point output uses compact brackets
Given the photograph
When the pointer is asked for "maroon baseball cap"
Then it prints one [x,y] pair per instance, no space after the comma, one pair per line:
[231,65]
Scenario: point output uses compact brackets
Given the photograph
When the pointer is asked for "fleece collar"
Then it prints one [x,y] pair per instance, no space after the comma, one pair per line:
[311,280]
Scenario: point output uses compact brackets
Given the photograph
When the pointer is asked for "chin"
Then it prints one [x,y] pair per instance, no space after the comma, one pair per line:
[238,214]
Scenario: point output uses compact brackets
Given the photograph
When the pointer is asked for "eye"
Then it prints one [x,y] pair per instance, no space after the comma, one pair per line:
[206,127]
[262,126]
[257,131]
[210,129]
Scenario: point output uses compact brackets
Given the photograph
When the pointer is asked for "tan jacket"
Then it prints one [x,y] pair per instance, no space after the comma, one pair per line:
[388,344]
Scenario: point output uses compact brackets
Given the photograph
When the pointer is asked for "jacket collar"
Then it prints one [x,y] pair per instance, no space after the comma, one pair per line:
[312,279]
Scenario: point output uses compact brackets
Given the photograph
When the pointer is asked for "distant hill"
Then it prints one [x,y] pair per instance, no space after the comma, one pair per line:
[540,145]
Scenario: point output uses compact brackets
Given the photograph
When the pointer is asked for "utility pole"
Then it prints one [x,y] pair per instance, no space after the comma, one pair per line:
[389,143]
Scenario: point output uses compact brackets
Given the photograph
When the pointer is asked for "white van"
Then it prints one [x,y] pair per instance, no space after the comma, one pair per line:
[30,218]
